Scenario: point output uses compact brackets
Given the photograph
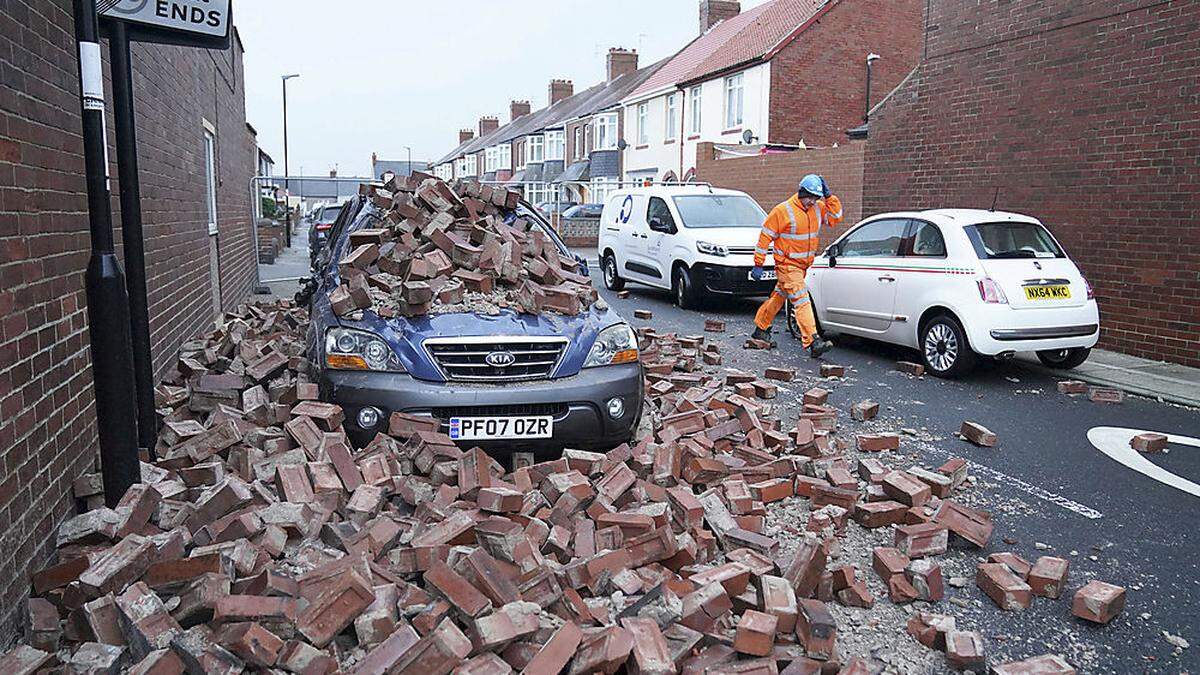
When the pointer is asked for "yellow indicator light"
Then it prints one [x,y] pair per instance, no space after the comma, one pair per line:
[626,356]
[346,362]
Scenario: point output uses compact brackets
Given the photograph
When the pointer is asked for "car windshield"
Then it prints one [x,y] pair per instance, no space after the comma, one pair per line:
[699,211]
[330,214]
[1012,240]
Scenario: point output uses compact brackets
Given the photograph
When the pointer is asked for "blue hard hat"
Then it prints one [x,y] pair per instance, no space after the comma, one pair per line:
[813,185]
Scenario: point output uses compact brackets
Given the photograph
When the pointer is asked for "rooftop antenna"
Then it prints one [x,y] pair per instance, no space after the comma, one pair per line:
[995,197]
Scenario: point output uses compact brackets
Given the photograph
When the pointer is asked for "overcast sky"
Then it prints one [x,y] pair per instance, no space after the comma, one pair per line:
[376,76]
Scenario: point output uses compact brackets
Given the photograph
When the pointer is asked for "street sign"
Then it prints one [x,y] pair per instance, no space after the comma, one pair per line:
[196,23]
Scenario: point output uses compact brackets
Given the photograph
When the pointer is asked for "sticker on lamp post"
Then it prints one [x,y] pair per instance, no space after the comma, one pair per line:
[198,17]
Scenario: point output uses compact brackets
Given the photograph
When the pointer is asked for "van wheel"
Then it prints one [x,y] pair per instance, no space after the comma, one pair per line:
[685,292]
[944,348]
[1064,359]
[612,280]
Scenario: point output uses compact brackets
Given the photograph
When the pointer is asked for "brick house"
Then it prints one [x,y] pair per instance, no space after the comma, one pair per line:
[785,72]
[198,241]
[1082,113]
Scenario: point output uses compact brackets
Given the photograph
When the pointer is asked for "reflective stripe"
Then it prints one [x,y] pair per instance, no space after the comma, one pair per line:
[802,256]
[836,215]
[760,251]
[779,292]
[798,237]
[770,233]
[791,214]
[800,303]
[794,296]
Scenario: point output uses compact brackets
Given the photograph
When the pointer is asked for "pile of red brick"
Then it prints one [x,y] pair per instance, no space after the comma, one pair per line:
[260,540]
[435,245]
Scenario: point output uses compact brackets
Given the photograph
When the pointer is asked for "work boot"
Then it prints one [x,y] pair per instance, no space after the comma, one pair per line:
[819,346]
[763,334]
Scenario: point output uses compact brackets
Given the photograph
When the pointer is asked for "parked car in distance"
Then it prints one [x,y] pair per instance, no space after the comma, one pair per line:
[324,216]
[513,380]
[584,211]
[693,240]
[549,208]
[956,284]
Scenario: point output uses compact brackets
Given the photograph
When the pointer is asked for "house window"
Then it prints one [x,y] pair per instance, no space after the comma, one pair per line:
[734,100]
[578,142]
[601,189]
[672,116]
[605,135]
[643,113]
[694,106]
[210,178]
[554,144]
[504,158]
[536,148]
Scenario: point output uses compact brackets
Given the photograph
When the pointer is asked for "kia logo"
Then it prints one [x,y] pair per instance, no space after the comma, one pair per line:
[500,359]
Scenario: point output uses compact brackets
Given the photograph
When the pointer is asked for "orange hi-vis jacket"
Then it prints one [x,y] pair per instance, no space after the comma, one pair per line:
[795,232]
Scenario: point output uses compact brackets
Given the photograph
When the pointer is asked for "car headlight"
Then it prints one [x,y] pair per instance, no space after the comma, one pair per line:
[615,344]
[711,249]
[349,349]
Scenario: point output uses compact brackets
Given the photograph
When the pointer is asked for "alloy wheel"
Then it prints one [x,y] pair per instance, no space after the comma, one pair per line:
[941,347]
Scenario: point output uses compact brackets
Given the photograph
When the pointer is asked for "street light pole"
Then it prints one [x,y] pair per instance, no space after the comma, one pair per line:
[410,169]
[286,183]
[871,58]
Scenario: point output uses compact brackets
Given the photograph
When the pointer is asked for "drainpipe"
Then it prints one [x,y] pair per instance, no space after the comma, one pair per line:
[871,58]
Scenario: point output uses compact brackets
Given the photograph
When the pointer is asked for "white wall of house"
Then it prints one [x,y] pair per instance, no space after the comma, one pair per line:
[663,155]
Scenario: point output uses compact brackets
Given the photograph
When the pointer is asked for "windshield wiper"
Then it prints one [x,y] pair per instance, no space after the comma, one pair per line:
[1015,254]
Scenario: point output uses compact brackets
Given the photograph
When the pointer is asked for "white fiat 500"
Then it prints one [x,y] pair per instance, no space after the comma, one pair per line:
[956,284]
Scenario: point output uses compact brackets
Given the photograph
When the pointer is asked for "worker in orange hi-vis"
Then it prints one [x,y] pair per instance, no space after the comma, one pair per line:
[793,228]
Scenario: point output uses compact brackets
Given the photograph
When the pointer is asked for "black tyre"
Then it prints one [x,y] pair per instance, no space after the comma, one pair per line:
[608,266]
[683,289]
[1064,359]
[944,348]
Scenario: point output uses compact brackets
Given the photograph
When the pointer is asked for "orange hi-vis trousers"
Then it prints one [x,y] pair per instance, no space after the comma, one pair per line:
[790,287]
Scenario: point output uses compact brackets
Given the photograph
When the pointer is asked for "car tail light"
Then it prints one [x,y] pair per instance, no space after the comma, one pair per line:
[1091,292]
[991,292]
[322,227]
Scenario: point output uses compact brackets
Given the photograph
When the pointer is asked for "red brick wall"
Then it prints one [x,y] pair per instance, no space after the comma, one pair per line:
[818,81]
[770,179]
[47,430]
[1084,114]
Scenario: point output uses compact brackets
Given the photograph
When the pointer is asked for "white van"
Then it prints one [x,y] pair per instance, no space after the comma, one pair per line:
[693,240]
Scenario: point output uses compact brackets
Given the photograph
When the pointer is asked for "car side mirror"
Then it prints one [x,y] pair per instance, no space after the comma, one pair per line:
[832,253]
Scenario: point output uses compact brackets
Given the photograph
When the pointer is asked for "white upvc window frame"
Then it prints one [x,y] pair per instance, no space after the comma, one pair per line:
[504,157]
[536,149]
[578,142]
[555,145]
[209,139]
[604,136]
[695,100]
[735,100]
[671,125]
[601,188]
[643,123]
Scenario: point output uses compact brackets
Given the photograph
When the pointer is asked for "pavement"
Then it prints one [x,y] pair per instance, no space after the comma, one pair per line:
[292,263]
[1050,487]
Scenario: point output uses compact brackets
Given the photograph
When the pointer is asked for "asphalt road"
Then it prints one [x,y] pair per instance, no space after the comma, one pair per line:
[1050,491]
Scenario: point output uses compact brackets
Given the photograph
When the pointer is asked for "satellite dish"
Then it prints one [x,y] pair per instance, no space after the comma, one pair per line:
[748,137]
[621,145]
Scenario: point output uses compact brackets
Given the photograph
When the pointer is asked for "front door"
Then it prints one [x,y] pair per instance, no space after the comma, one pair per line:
[859,291]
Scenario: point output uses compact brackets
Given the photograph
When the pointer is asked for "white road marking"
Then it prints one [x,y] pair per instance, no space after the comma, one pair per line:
[1040,493]
[1114,442]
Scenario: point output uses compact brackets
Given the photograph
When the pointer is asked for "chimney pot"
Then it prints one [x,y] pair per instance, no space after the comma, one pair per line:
[714,11]
[465,135]
[621,62]
[488,124]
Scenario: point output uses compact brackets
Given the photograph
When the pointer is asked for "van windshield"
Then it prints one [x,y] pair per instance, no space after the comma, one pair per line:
[1012,240]
[699,211]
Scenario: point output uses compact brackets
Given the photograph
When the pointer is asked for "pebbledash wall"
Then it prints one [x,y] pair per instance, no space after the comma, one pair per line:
[47,428]
[1083,113]
[772,178]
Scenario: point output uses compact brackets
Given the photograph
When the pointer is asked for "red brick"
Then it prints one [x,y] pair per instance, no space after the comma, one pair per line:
[1004,588]
[1048,577]
[1098,602]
